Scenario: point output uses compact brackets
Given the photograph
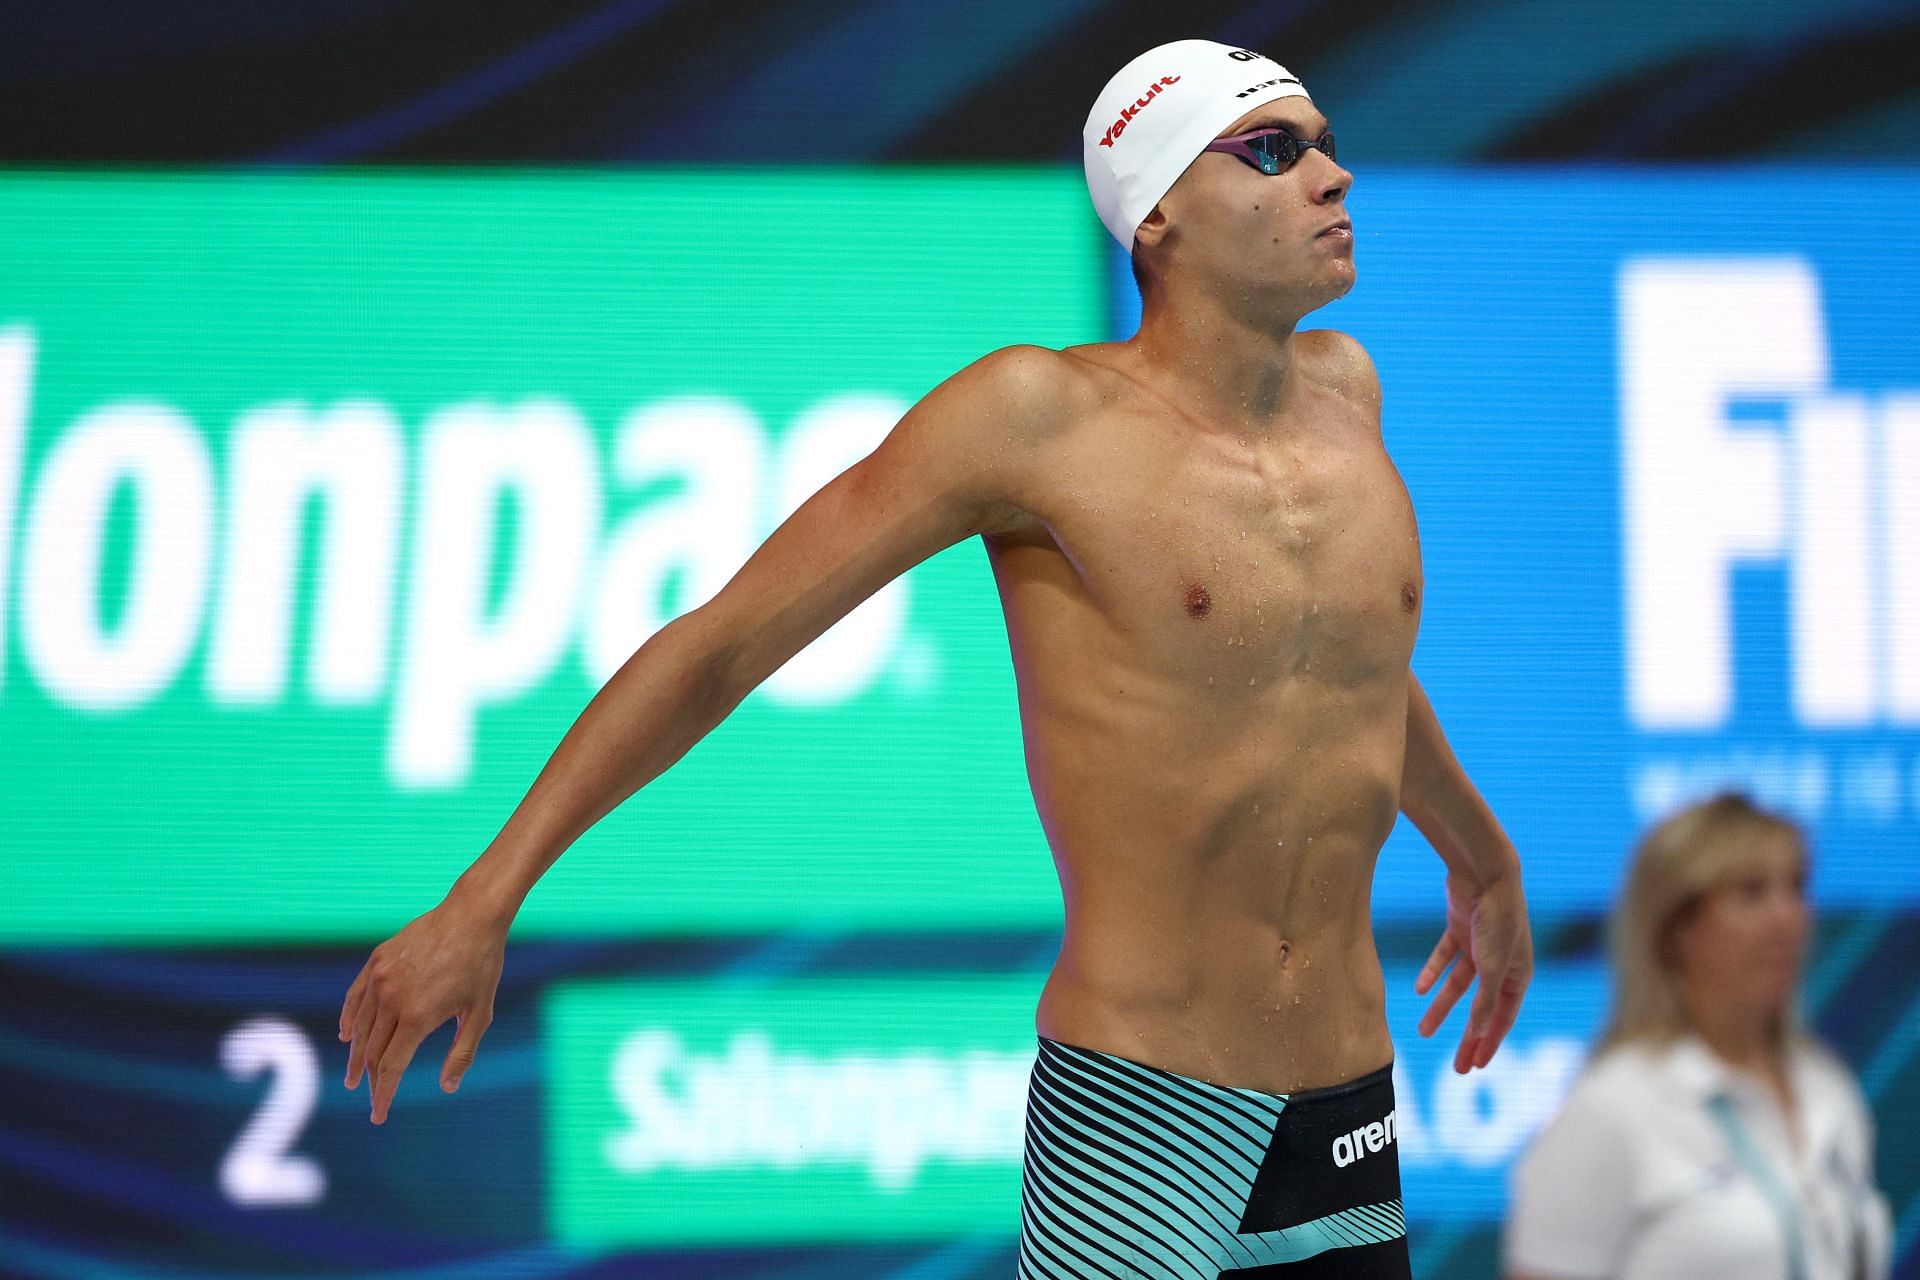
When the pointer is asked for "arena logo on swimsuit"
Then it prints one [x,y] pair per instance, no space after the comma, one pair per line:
[1349,1147]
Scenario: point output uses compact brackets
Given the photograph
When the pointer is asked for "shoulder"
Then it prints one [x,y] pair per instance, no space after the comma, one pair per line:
[987,434]
[1621,1073]
[1826,1071]
[1022,383]
[1008,396]
[1338,360]
[1820,1060]
[1019,397]
[1608,1097]
[1605,1083]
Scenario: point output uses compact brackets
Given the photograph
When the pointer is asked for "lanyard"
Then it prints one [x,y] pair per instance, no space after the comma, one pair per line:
[1778,1198]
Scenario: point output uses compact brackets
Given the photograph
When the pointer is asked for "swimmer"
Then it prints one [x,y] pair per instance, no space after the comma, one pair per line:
[1211,579]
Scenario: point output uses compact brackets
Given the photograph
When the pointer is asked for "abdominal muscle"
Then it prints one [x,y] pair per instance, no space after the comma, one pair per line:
[1216,860]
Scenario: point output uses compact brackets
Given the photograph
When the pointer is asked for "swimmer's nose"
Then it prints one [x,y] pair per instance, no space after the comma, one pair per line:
[1332,182]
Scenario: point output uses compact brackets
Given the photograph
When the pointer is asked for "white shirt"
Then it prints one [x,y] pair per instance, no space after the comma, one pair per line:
[1648,1173]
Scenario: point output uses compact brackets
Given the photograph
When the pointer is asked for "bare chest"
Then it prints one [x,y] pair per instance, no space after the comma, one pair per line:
[1219,562]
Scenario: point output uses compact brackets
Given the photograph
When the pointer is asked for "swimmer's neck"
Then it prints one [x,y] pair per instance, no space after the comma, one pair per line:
[1228,367]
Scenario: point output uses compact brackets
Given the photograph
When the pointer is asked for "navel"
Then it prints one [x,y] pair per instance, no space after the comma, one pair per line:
[1199,603]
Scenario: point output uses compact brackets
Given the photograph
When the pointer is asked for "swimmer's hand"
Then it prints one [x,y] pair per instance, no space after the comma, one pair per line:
[1487,936]
[444,964]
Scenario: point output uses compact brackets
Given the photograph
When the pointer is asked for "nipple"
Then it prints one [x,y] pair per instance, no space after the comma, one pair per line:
[1199,601]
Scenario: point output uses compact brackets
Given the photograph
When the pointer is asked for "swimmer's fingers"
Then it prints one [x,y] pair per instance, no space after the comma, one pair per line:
[393,1064]
[1496,1006]
[1443,953]
[1476,1044]
[376,1042]
[350,1006]
[1503,942]
[365,1013]
[1449,994]
[466,1043]
[1464,1055]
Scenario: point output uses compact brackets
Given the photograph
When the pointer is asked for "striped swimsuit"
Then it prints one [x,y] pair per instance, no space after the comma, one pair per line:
[1136,1173]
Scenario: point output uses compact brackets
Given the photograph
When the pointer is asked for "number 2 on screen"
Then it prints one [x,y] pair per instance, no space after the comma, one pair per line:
[260,1168]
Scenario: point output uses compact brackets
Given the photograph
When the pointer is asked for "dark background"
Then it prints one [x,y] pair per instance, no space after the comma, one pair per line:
[568,82]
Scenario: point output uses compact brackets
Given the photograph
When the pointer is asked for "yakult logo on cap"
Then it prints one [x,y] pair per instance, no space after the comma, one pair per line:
[1139,104]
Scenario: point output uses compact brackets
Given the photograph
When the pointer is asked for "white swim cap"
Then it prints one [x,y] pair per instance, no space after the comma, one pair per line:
[1156,116]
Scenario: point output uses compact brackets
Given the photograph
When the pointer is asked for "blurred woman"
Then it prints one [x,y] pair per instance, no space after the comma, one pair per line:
[1709,1135]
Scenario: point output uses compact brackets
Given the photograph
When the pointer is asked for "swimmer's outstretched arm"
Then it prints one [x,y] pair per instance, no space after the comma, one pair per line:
[950,468]
[1487,933]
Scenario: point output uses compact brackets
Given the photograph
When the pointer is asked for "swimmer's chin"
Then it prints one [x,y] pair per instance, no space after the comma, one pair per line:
[1337,288]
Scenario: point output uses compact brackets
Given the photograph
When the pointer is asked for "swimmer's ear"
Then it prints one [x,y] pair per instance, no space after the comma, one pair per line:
[1152,229]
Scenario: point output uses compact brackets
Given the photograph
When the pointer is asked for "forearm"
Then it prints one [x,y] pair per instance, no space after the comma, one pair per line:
[666,697]
[1439,799]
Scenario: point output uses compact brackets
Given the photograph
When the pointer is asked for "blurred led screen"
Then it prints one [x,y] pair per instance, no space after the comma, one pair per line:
[327,501]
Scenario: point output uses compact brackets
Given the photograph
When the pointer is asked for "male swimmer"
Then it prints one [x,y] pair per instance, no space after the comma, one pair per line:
[1211,579]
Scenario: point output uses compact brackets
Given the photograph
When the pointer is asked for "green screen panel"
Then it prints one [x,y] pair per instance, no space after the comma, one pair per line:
[691,1112]
[328,501]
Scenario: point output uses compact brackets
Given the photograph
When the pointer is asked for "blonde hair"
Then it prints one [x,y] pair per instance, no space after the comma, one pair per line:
[1675,865]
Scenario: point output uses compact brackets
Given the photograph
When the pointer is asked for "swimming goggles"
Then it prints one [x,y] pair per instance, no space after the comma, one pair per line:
[1271,150]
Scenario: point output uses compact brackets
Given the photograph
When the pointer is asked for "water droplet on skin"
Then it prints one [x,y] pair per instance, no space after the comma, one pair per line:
[1249,679]
[1209,679]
